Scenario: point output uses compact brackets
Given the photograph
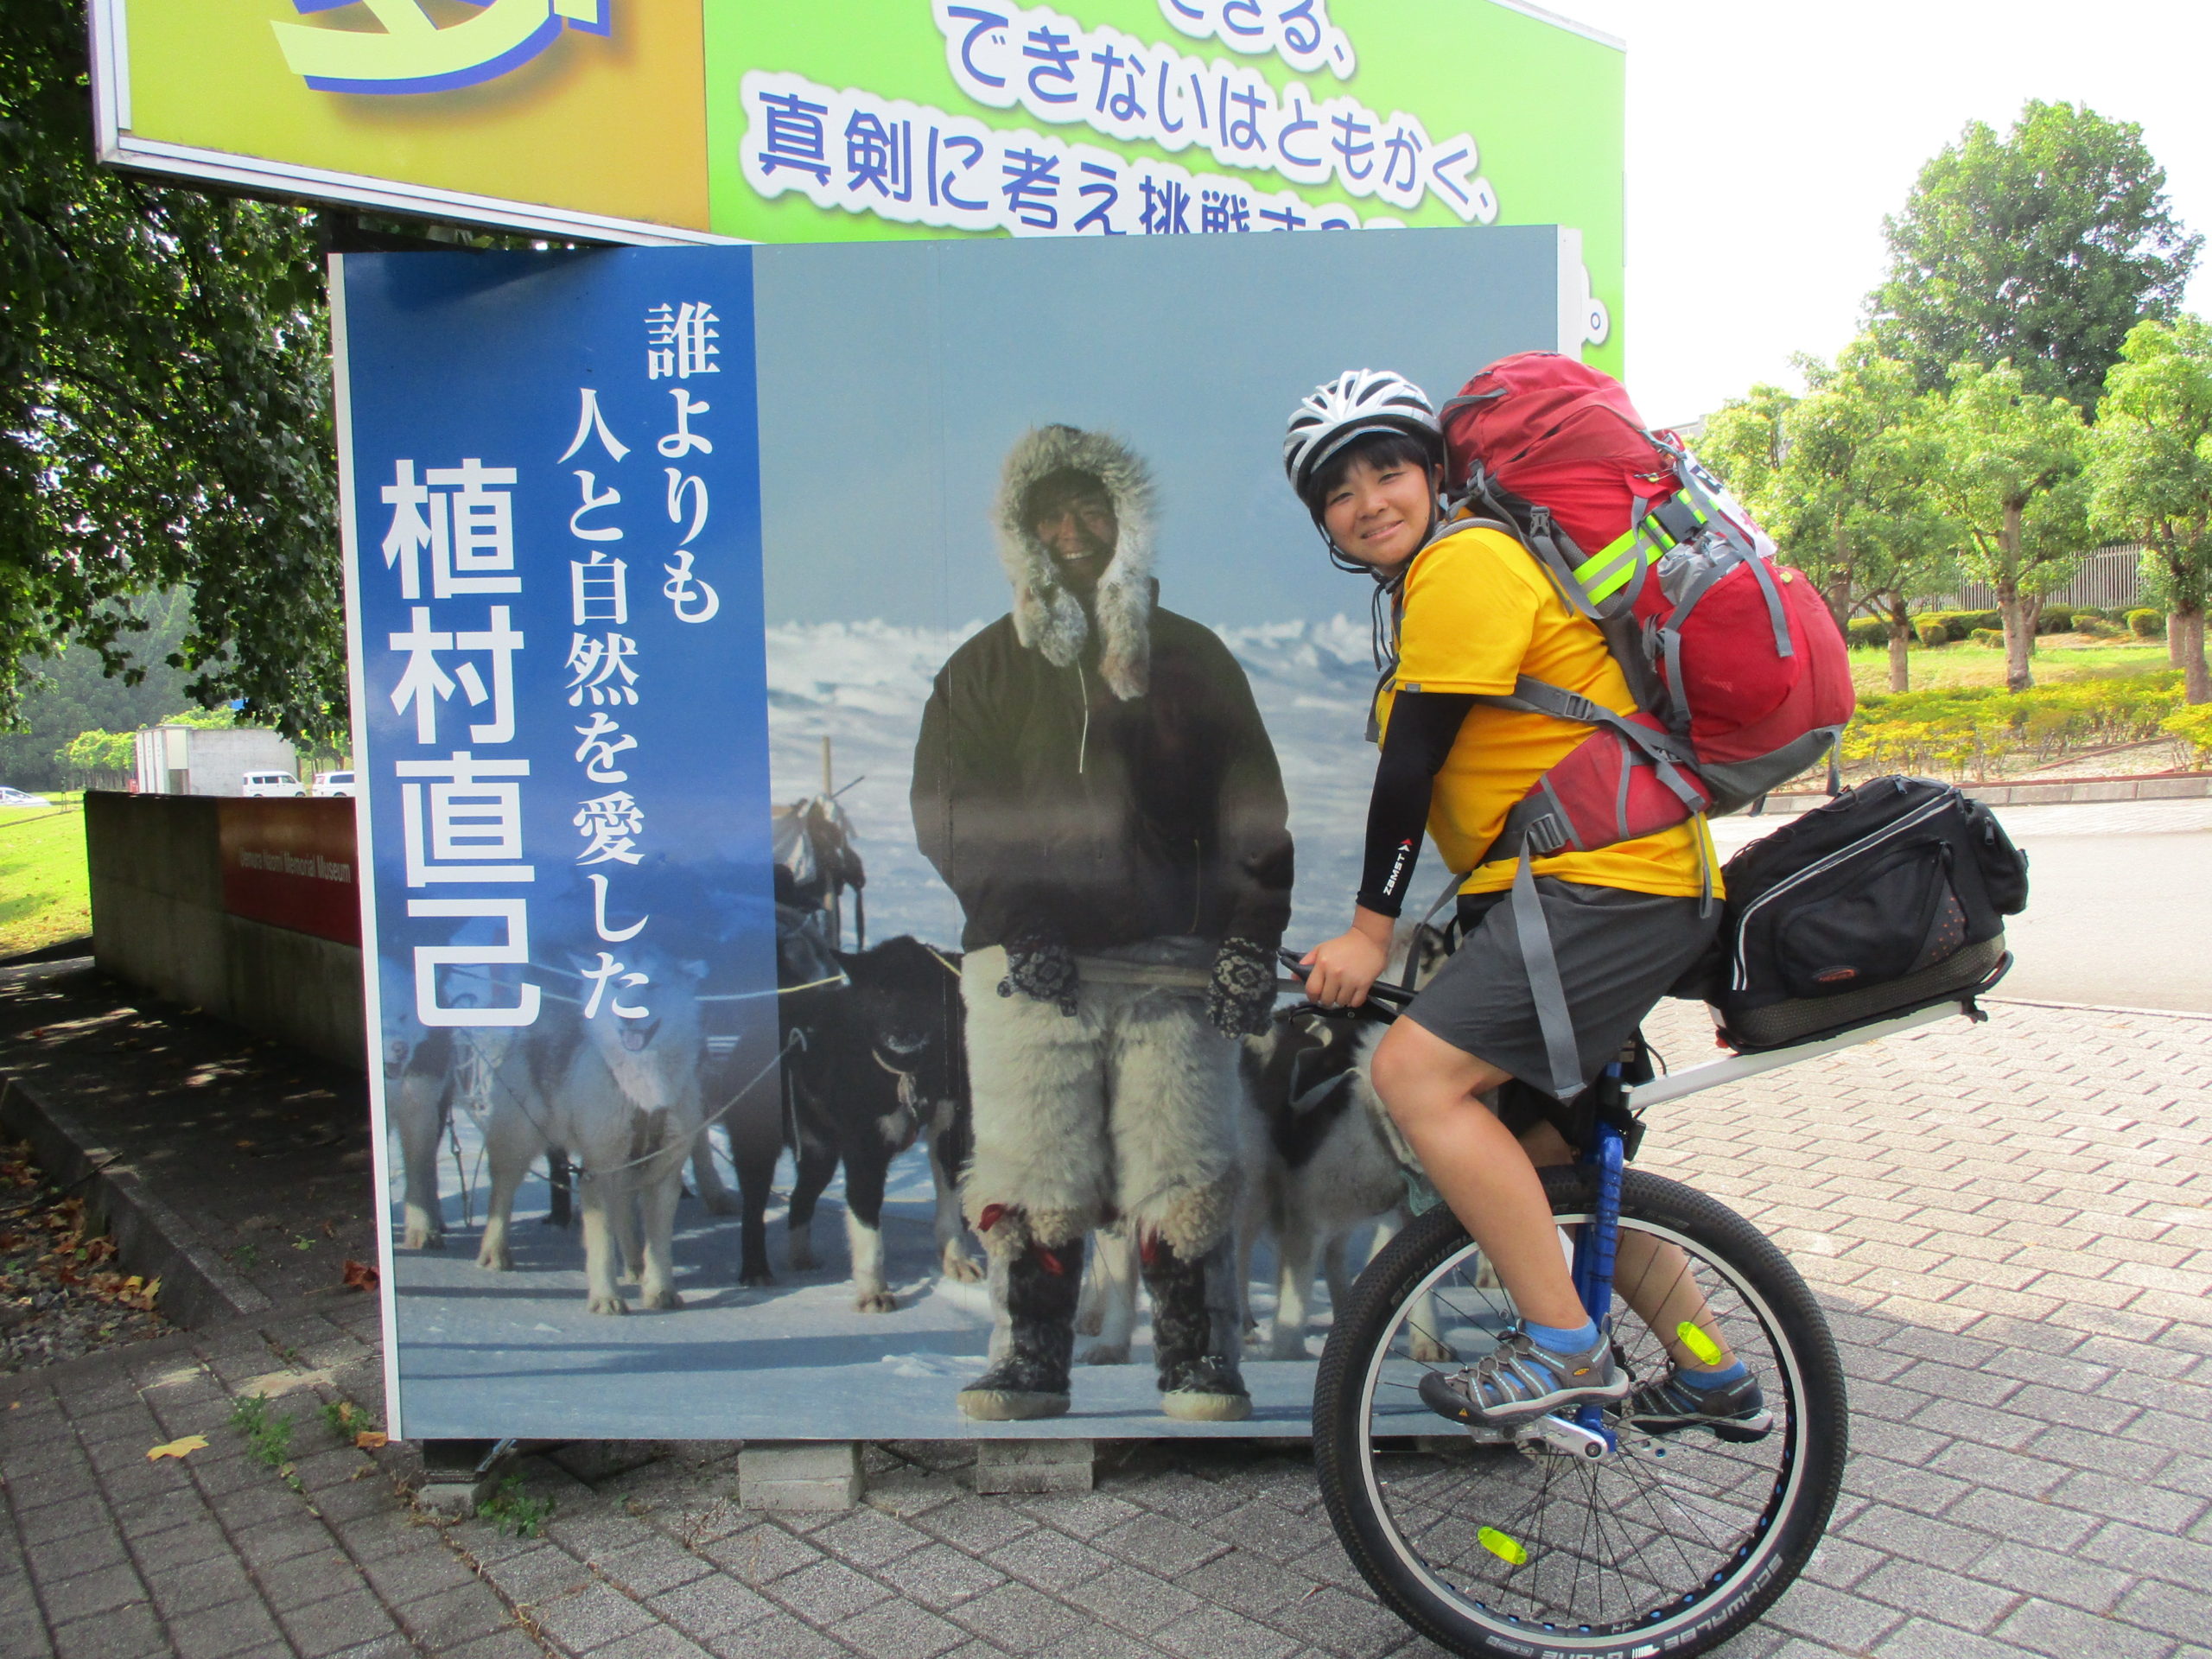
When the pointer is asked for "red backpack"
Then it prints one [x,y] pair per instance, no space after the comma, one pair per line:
[1739,670]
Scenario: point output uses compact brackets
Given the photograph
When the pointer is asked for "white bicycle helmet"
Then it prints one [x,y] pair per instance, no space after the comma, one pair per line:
[1355,403]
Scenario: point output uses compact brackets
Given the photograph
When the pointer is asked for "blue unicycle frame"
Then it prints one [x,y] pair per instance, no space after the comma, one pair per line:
[1605,1151]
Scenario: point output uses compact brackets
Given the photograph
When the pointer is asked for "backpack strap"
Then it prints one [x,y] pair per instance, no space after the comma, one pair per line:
[1666,752]
[1555,1019]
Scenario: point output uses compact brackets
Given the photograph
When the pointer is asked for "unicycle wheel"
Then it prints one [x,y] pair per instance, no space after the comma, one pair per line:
[1669,1542]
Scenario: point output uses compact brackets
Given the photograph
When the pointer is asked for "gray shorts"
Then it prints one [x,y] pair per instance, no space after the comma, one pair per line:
[1618,953]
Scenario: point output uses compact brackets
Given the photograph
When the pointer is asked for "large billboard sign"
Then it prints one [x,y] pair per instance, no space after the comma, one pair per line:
[736,716]
[703,120]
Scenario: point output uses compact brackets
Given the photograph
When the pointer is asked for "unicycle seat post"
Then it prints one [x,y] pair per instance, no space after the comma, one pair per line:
[1599,1239]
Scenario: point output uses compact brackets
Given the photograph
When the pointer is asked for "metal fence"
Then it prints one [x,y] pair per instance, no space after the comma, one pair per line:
[2109,577]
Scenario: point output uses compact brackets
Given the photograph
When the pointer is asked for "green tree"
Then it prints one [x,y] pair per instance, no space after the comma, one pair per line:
[67,694]
[1854,492]
[2044,246]
[2150,476]
[2009,476]
[164,408]
[94,757]
[1841,479]
[1743,444]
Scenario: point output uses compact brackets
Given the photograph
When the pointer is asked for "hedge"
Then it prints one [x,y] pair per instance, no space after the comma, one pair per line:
[2194,727]
[1969,728]
[1868,633]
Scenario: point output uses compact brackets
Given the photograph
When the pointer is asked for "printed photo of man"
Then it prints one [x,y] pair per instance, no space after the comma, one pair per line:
[1093,782]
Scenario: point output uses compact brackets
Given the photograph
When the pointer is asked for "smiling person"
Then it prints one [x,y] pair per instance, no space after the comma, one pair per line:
[1471,611]
[1094,784]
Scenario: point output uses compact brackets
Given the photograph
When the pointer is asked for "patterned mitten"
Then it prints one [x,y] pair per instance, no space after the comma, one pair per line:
[1242,991]
[1040,967]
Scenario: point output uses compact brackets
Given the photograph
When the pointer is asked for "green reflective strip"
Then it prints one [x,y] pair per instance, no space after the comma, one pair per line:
[1613,566]
[1610,571]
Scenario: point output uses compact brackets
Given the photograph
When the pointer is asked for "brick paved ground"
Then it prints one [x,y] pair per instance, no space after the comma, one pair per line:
[2012,1226]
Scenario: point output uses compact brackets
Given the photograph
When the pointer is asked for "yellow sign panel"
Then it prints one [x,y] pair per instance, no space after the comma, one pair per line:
[466,109]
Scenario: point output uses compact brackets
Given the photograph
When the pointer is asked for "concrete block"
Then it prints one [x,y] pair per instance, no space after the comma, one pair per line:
[799,1475]
[458,1475]
[1033,1465]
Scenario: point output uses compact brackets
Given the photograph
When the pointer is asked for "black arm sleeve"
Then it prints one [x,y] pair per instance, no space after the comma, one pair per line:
[1423,726]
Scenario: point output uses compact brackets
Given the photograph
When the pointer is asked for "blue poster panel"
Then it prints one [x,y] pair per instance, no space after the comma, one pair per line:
[829,714]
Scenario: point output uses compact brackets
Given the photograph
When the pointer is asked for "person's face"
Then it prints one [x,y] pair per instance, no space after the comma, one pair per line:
[1380,515]
[1078,526]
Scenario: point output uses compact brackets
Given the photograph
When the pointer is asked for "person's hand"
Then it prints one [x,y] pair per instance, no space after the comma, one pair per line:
[1242,991]
[1343,967]
[1042,968]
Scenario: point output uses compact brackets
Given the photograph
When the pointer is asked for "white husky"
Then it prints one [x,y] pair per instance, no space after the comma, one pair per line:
[623,1102]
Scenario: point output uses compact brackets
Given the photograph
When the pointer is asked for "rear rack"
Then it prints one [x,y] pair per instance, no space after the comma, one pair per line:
[1737,1067]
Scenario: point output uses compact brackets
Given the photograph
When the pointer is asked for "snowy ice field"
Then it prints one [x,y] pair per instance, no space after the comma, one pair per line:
[483,1354]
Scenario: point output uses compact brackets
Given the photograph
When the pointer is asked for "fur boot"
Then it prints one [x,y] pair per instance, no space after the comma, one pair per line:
[1030,1378]
[1198,1336]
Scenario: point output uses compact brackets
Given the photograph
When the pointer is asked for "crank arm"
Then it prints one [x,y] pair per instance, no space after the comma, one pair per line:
[1568,1439]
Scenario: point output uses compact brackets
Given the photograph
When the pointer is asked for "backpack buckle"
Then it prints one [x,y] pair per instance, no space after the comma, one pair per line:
[1544,836]
[1681,520]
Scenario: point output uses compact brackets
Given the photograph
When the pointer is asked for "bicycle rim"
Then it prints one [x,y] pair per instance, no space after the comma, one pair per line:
[1672,1544]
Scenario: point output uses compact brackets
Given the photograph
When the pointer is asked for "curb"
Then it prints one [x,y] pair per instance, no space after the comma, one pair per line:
[2095,1007]
[151,1239]
[2064,791]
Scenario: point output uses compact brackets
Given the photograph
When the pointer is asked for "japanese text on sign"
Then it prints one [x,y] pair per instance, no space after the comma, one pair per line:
[912,163]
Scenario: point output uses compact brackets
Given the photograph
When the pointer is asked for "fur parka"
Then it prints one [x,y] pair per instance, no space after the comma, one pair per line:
[1049,619]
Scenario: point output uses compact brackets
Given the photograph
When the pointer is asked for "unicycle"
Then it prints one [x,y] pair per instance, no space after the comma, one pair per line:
[1591,1532]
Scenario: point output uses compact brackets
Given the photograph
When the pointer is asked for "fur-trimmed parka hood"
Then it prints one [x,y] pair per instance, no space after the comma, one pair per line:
[1049,619]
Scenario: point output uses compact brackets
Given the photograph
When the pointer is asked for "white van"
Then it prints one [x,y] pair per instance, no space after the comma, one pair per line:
[327,784]
[271,783]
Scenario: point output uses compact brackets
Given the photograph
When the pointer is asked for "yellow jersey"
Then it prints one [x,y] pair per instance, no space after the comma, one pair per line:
[1476,612]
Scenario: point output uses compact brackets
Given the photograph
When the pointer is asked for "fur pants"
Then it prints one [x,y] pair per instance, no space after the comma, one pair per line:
[1126,1109]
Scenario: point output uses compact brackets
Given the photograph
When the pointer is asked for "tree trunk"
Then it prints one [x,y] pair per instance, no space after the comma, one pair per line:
[1900,640]
[2174,654]
[2185,638]
[2020,634]
[2032,610]
[1838,589]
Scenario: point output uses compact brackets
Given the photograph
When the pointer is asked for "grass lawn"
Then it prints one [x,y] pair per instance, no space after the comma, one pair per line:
[2058,657]
[45,896]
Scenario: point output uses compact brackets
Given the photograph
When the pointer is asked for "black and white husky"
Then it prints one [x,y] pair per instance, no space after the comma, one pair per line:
[1321,1159]
[875,1060]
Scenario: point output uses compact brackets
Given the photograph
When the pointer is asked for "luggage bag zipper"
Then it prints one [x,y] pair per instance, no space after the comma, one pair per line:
[1739,979]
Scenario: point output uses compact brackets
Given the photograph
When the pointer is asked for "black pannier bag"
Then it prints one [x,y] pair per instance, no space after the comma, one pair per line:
[1889,898]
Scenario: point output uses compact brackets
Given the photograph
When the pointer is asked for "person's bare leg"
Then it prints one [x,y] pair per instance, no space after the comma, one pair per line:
[1652,1276]
[1434,1092]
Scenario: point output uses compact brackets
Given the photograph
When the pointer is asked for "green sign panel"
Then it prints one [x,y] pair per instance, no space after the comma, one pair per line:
[860,119]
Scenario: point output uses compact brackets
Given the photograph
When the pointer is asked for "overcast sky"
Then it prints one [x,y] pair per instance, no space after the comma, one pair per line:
[1767,138]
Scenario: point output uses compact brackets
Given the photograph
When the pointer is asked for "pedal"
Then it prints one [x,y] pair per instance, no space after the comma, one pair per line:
[1568,1439]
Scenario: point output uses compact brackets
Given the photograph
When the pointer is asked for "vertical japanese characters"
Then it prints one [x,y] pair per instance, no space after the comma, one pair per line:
[459,788]
[467,745]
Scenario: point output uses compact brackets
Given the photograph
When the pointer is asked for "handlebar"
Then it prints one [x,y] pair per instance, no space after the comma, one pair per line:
[1392,997]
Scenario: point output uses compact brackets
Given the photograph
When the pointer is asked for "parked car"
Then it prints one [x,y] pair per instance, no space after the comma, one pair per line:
[16,798]
[329,783]
[272,783]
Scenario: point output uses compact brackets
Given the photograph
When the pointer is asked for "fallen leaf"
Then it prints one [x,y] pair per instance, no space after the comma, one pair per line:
[371,1439]
[178,1449]
[359,1275]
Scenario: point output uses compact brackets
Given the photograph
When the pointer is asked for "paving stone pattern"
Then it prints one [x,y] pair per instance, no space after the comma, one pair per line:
[2012,1227]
